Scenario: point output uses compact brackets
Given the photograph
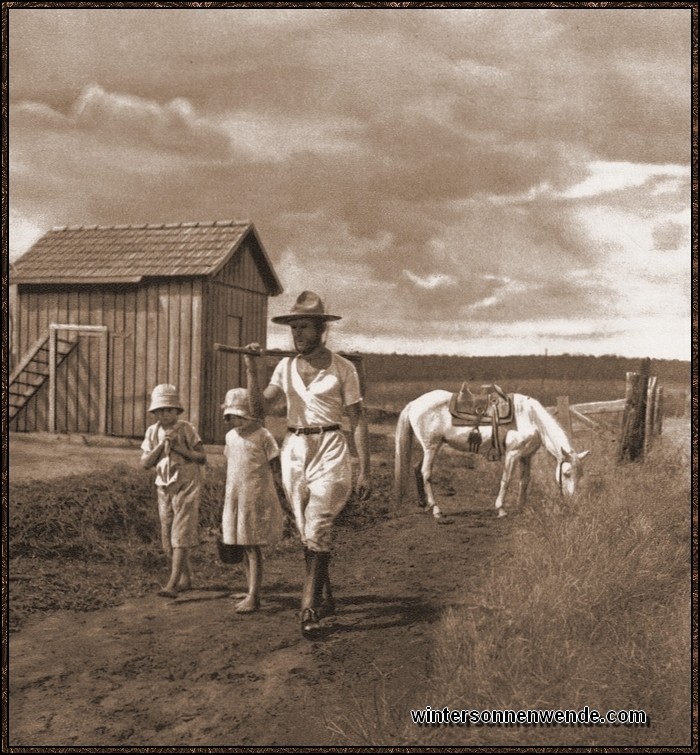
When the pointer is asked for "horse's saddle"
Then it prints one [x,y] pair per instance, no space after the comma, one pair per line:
[491,407]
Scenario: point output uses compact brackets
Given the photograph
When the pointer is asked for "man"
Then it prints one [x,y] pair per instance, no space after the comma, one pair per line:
[319,387]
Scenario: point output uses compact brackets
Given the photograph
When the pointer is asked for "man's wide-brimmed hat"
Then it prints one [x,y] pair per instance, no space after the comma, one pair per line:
[308,304]
[236,403]
[165,396]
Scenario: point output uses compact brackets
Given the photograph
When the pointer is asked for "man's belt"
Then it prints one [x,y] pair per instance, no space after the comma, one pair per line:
[312,430]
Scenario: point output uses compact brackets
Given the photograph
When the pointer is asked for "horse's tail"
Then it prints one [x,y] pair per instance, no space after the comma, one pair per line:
[402,459]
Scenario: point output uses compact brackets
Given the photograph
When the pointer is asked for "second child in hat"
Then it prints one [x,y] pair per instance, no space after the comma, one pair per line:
[252,515]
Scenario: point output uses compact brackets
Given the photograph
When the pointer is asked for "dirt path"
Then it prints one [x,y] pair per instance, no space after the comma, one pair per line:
[193,672]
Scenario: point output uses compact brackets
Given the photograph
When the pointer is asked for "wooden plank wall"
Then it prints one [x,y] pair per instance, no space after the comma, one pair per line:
[238,291]
[242,271]
[153,338]
[14,357]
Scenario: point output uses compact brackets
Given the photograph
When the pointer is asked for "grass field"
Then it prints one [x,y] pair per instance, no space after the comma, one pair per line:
[592,608]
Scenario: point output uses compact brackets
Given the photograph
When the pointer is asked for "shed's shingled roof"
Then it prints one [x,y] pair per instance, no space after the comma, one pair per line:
[130,253]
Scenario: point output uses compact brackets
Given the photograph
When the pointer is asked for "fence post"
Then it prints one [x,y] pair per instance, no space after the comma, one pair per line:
[564,415]
[634,417]
[650,411]
[659,414]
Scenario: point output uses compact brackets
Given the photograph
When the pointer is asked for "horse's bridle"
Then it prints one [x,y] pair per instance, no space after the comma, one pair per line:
[560,476]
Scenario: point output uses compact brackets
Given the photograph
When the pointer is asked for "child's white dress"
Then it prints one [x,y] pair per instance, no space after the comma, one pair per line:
[252,512]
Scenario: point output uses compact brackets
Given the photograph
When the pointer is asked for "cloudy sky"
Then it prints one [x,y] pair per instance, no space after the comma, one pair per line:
[462,181]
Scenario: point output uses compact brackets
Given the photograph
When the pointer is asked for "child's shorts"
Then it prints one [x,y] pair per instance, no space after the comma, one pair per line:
[178,507]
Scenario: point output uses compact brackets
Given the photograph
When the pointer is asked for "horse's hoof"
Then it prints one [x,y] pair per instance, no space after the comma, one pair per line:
[500,513]
[444,520]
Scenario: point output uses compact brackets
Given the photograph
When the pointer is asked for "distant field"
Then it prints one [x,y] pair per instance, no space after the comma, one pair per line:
[393,367]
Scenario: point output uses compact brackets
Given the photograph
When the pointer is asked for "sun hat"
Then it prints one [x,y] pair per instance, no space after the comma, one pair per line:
[165,396]
[236,403]
[308,304]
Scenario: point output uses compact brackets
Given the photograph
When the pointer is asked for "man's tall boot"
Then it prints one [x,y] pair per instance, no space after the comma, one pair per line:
[327,605]
[311,595]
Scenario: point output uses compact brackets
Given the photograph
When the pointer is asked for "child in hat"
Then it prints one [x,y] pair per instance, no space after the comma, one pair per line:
[175,449]
[252,515]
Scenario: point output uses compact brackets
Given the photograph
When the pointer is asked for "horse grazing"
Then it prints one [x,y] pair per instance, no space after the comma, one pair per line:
[431,417]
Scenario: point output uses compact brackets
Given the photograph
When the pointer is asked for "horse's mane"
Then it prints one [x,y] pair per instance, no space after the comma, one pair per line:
[553,434]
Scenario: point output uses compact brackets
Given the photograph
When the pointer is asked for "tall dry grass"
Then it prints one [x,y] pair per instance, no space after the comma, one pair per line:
[89,540]
[591,607]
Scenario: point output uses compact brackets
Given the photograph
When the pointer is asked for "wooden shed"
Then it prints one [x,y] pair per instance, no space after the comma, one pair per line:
[103,314]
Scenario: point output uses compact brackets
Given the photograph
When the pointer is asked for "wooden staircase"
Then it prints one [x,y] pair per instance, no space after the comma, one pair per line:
[34,370]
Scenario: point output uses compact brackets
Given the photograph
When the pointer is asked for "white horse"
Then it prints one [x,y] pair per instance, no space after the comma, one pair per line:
[429,418]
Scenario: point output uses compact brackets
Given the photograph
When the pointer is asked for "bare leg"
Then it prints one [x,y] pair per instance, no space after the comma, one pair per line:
[254,570]
[179,557]
[165,514]
[185,582]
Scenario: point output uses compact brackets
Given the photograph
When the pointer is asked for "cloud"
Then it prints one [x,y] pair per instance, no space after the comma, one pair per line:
[125,119]
[431,282]
[670,236]
[613,176]
[98,163]
[23,233]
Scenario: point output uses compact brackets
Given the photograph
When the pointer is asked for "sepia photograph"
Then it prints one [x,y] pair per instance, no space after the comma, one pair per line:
[350,362]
